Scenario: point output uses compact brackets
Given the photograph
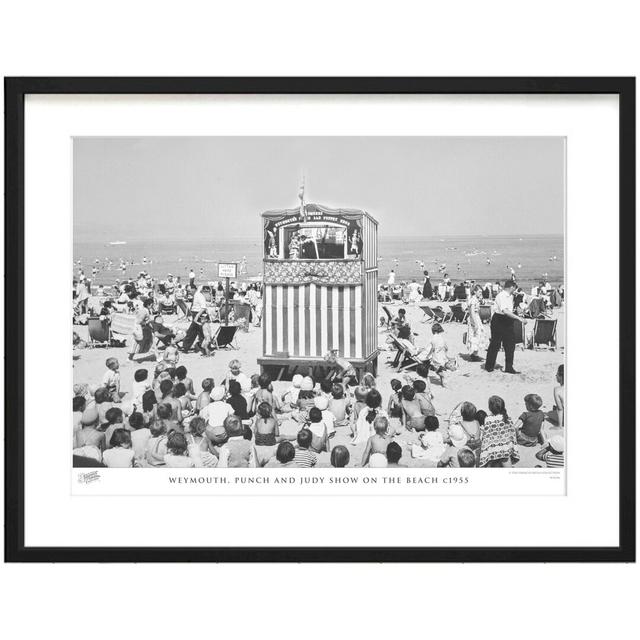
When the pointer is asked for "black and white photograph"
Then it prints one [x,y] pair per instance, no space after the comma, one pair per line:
[277,302]
[327,305]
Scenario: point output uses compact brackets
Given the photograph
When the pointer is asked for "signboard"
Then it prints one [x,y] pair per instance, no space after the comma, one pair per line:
[227,270]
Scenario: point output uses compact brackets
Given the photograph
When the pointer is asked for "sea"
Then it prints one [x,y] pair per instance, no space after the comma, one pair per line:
[479,258]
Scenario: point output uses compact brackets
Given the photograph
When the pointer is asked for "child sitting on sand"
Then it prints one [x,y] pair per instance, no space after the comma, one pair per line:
[379,441]
[394,453]
[217,410]
[265,393]
[171,356]
[177,456]
[290,396]
[304,458]
[325,388]
[79,405]
[368,381]
[238,401]
[111,379]
[364,422]
[306,395]
[339,405]
[179,393]
[432,444]
[266,433]
[322,403]
[235,373]
[120,454]
[285,453]
[237,451]
[498,445]
[553,452]
[529,424]
[360,395]
[556,417]
[139,434]
[114,420]
[205,395]
[340,457]
[140,385]
[198,445]
[181,376]
[318,428]
[412,410]
[457,441]
[423,398]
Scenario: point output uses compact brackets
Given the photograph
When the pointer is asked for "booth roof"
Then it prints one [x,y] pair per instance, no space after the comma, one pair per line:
[317,208]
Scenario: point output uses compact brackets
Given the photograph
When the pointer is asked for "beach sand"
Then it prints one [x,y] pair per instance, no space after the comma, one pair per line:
[470,383]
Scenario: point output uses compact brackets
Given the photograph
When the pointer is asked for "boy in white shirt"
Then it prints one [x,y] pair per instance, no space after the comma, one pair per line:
[328,418]
[111,379]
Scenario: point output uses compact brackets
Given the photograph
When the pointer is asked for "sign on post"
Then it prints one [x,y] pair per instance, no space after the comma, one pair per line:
[227,270]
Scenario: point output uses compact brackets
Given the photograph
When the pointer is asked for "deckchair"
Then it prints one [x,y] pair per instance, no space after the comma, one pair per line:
[389,318]
[458,313]
[123,323]
[535,309]
[429,316]
[224,337]
[403,359]
[99,332]
[442,315]
[544,333]
[436,314]
[485,313]
[519,333]
[170,309]
[242,312]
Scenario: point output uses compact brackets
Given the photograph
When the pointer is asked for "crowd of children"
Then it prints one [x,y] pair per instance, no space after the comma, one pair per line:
[163,421]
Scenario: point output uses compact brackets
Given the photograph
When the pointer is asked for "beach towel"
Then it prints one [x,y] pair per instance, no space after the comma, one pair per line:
[123,323]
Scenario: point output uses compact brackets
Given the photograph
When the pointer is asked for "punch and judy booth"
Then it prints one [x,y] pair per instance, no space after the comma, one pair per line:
[320,288]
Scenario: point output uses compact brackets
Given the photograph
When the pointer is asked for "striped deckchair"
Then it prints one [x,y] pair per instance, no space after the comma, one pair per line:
[123,323]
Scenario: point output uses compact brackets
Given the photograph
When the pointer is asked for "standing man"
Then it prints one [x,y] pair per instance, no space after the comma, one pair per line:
[192,278]
[502,329]
[427,289]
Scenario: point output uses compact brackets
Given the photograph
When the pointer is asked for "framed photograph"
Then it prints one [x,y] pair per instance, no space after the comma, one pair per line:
[320,319]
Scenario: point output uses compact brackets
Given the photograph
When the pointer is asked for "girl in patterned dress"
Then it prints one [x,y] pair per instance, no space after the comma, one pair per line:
[498,446]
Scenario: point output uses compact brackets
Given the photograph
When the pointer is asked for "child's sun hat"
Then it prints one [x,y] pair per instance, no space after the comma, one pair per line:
[557,443]
[217,394]
[378,461]
[457,435]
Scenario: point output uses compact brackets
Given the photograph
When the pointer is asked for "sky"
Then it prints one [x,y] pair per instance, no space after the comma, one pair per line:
[130,189]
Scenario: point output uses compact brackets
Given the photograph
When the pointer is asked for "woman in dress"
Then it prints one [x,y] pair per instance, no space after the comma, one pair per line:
[476,335]
[143,331]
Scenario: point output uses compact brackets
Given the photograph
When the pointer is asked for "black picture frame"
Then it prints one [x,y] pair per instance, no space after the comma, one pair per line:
[15,91]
